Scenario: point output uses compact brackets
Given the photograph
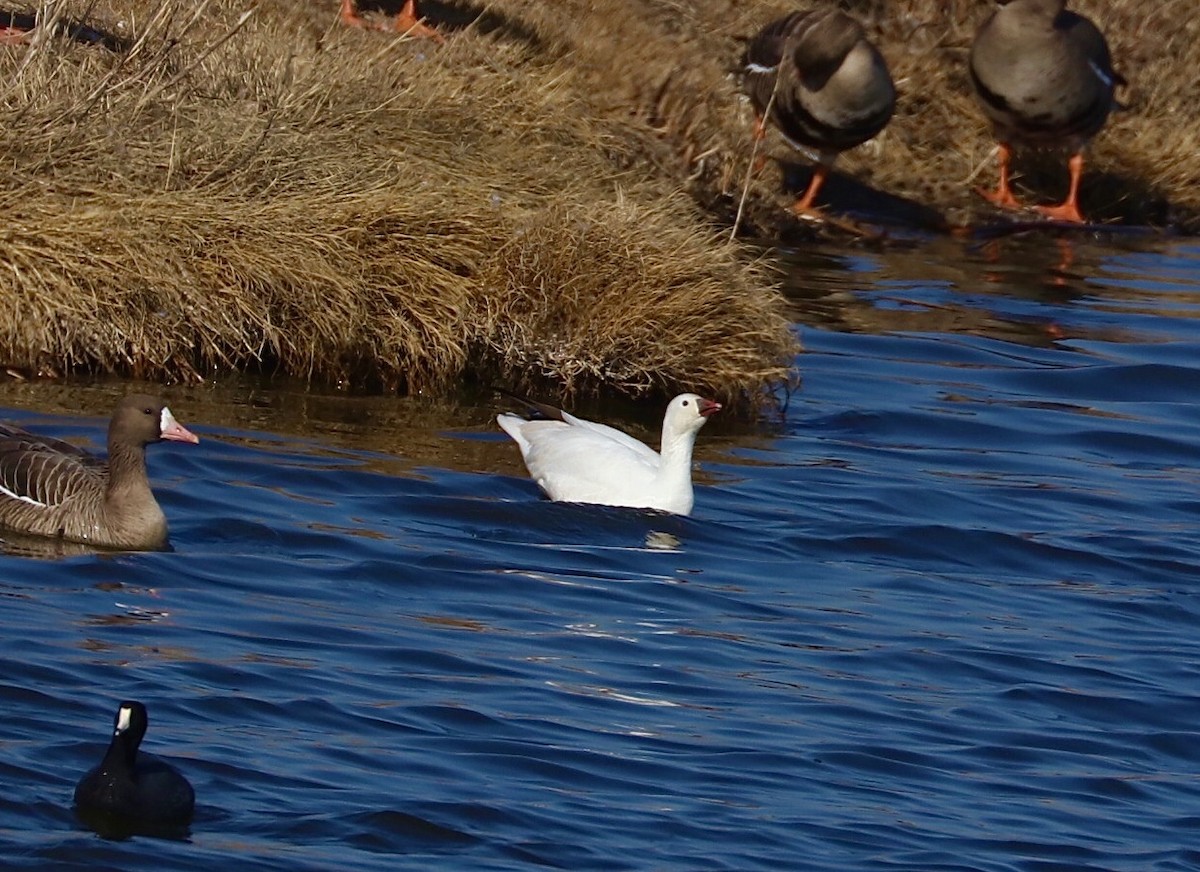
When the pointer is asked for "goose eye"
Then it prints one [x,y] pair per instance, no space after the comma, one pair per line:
[685,402]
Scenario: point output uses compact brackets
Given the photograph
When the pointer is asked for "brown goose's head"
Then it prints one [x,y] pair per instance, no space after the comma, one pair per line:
[140,419]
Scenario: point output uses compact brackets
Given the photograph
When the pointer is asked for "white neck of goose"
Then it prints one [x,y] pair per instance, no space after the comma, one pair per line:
[676,451]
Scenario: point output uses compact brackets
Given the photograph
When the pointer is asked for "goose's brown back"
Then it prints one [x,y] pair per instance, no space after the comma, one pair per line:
[827,86]
[52,488]
[1042,74]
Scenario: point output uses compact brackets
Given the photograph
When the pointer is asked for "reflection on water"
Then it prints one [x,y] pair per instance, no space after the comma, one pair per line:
[116,828]
[1012,288]
[43,547]
[940,616]
[659,541]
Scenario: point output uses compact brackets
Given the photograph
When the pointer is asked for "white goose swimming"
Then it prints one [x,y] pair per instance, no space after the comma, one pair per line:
[579,461]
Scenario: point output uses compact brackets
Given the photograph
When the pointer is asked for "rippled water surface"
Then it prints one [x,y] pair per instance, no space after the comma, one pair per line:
[942,616]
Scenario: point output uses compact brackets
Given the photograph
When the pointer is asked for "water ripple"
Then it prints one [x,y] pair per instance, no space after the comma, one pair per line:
[940,617]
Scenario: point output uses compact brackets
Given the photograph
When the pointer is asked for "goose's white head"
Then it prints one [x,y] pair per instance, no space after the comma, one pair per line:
[687,413]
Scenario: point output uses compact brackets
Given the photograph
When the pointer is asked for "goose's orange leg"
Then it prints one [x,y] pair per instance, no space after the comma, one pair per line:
[1003,195]
[804,207]
[350,16]
[406,20]
[760,134]
[1068,209]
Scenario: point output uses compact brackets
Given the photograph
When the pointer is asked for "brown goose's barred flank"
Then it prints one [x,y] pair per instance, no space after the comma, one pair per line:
[1044,76]
[52,488]
[827,87]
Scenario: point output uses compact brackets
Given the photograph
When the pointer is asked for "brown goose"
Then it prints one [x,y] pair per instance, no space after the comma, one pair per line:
[405,21]
[827,86]
[52,488]
[1044,77]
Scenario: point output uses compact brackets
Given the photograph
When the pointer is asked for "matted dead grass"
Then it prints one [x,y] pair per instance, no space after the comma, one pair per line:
[275,192]
[541,199]
[671,63]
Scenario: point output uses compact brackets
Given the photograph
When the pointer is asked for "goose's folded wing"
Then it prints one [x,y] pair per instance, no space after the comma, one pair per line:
[580,465]
[602,433]
[566,447]
[37,471]
[15,439]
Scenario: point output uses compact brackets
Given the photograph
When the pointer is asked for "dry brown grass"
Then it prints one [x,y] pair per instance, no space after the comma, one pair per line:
[570,300]
[277,192]
[668,63]
[1142,167]
[272,191]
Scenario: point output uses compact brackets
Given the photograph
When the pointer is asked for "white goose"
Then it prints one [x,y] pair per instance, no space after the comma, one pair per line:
[579,461]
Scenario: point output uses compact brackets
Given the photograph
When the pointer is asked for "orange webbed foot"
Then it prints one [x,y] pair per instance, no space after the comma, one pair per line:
[349,15]
[407,22]
[805,207]
[808,212]
[14,35]
[1068,211]
[416,28]
[1002,197]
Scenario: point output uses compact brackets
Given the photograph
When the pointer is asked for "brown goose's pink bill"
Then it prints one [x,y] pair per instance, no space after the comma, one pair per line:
[173,431]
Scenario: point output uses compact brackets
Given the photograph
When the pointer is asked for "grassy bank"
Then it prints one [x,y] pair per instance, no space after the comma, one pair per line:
[542,200]
[282,193]
[669,64]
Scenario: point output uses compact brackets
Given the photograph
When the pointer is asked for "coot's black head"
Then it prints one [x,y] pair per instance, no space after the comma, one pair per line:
[131,792]
[129,728]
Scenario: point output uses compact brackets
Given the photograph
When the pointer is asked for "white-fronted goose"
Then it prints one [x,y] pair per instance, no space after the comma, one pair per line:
[52,488]
[405,21]
[827,88]
[134,789]
[1044,77]
[579,461]
[18,27]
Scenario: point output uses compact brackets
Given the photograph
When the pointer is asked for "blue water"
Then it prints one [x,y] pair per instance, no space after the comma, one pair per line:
[942,616]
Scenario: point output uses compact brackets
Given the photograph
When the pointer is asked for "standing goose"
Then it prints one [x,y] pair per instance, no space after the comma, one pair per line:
[134,789]
[52,488]
[1044,77]
[827,86]
[579,461]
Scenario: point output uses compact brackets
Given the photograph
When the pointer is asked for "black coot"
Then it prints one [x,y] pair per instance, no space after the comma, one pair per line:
[136,790]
